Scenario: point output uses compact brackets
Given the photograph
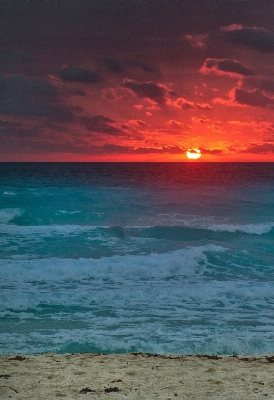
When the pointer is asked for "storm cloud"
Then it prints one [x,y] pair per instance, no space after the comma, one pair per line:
[21,96]
[259,148]
[255,98]
[101,124]
[78,74]
[258,39]
[113,65]
[225,67]
[141,65]
[157,92]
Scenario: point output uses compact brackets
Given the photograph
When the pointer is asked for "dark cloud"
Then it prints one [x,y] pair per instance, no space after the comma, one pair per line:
[13,132]
[204,106]
[198,41]
[8,56]
[112,148]
[163,149]
[27,86]
[118,25]
[211,151]
[44,145]
[200,120]
[175,124]
[78,92]
[113,65]
[137,122]
[225,67]
[256,38]
[183,103]
[150,90]
[194,151]
[84,147]
[259,148]
[31,98]
[255,98]
[78,74]
[77,109]
[141,123]
[5,124]
[187,105]
[267,86]
[101,124]
[141,65]
[115,94]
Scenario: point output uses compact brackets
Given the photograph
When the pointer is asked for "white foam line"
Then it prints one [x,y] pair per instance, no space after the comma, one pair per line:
[257,229]
[184,262]
[8,214]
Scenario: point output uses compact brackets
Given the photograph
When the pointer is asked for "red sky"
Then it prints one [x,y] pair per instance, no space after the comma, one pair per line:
[137,80]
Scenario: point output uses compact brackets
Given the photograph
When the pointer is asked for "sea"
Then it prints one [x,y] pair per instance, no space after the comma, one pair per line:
[137,257]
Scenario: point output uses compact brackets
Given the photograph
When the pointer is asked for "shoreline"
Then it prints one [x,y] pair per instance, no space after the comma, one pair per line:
[136,376]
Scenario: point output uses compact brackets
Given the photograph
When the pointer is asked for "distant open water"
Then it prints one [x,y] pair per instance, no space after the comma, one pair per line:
[151,257]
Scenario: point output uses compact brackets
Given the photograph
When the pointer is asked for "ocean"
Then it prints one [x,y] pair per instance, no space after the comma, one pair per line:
[137,257]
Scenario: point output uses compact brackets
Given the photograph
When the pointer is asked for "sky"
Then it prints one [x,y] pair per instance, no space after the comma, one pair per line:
[137,80]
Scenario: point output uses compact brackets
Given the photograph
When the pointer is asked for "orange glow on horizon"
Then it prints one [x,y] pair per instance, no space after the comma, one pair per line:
[193,154]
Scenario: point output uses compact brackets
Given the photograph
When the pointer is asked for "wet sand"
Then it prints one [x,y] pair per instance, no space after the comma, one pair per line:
[136,376]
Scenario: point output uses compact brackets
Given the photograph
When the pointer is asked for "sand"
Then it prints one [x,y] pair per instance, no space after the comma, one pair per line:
[136,376]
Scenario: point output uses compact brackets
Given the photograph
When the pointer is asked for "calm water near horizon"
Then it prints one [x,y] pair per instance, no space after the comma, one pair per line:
[151,257]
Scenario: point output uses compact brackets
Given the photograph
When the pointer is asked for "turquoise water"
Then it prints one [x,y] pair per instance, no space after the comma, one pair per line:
[153,257]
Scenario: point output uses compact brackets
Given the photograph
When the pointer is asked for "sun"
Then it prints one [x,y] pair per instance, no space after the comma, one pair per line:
[193,154]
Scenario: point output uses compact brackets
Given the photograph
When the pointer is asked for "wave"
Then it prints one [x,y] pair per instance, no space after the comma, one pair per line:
[7,193]
[67,212]
[167,231]
[9,214]
[112,235]
[146,339]
[255,229]
[156,303]
[188,234]
[176,286]
[185,262]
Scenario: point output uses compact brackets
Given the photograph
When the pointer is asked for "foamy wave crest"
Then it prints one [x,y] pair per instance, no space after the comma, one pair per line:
[8,214]
[190,261]
[67,212]
[6,193]
[257,229]
[99,340]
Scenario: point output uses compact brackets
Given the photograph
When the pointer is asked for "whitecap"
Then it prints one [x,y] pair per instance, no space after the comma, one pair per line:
[9,193]
[67,212]
[8,214]
[257,229]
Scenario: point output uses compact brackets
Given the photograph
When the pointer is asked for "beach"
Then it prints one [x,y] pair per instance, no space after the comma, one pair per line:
[135,376]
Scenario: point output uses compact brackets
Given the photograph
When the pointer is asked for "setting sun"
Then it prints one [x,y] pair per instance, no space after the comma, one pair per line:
[193,154]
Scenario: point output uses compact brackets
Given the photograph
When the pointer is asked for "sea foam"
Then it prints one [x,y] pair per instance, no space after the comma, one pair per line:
[8,214]
[185,262]
[257,229]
